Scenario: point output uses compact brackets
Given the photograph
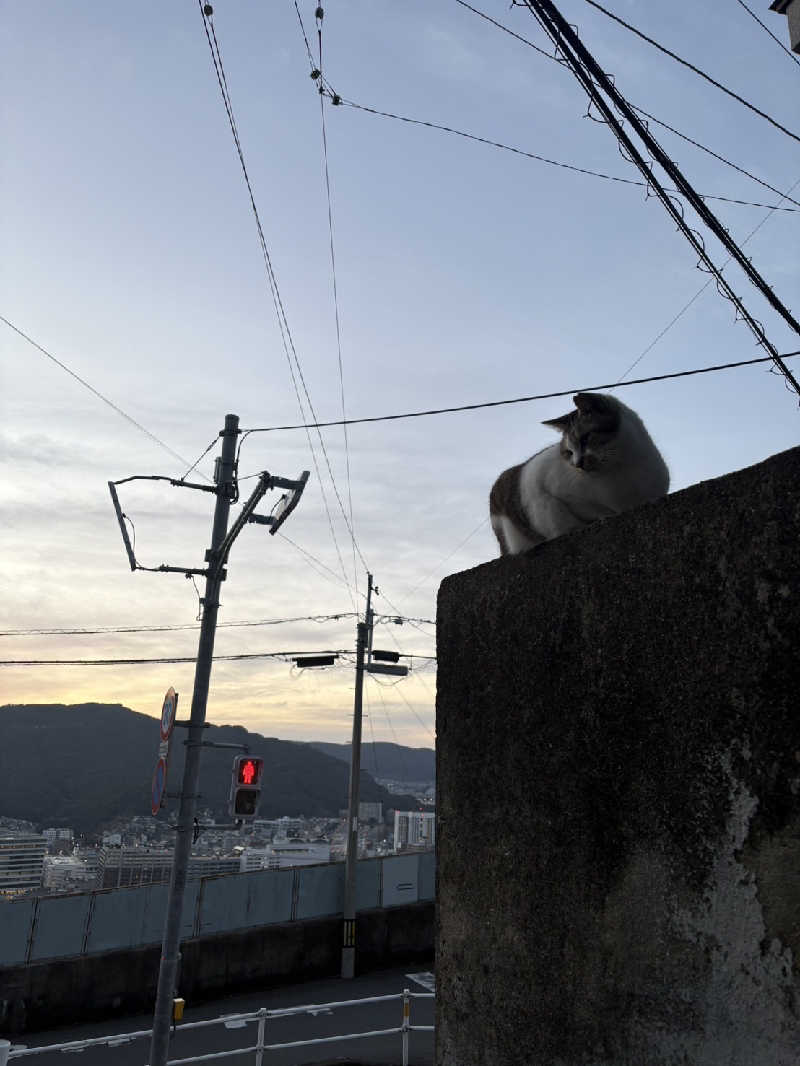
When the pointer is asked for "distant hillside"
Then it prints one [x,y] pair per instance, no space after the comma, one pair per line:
[392,762]
[82,765]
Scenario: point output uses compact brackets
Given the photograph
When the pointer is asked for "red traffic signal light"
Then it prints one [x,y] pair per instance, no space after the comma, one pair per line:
[245,786]
[249,771]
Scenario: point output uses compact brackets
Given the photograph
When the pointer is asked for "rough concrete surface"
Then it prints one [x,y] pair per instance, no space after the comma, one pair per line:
[618,770]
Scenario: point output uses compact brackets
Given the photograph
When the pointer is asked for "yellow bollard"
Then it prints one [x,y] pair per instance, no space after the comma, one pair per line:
[177,1009]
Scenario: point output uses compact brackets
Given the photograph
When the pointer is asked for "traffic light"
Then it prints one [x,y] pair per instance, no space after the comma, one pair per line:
[245,786]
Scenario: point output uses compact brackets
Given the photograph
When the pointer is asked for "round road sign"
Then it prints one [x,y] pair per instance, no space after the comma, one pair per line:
[168,713]
[159,784]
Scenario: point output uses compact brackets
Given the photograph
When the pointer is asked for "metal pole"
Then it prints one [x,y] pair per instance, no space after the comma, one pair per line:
[406,1023]
[170,953]
[262,1029]
[364,637]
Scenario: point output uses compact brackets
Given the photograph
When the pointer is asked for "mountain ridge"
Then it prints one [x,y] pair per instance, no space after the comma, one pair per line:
[83,765]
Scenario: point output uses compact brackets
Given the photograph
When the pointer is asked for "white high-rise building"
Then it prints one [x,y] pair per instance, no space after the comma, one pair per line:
[414,829]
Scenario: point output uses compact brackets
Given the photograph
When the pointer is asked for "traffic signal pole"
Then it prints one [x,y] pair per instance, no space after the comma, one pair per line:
[363,642]
[170,953]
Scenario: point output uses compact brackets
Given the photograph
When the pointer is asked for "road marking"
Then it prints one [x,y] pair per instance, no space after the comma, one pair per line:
[426,979]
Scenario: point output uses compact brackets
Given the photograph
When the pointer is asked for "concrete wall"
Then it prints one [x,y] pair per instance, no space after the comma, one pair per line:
[60,992]
[618,738]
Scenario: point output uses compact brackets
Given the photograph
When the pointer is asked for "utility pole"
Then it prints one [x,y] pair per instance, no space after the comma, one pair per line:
[225,488]
[363,642]
[170,953]
[363,651]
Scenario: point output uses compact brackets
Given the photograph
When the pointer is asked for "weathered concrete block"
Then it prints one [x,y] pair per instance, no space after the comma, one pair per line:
[618,721]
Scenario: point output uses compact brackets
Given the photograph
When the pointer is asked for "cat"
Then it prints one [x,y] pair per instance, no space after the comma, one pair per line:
[605,463]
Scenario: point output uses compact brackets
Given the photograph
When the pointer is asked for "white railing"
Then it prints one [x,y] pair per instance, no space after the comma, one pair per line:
[261,1017]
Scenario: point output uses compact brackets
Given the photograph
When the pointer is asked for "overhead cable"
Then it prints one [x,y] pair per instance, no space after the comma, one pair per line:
[766,29]
[698,294]
[101,630]
[95,392]
[696,70]
[283,321]
[244,657]
[530,399]
[646,114]
[541,158]
[598,86]
[319,18]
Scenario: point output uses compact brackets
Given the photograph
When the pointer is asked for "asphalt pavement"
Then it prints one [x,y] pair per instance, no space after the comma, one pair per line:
[321,1020]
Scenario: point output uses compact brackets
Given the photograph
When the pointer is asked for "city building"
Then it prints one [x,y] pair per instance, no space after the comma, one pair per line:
[370,812]
[68,873]
[414,830]
[121,867]
[284,853]
[21,862]
[58,836]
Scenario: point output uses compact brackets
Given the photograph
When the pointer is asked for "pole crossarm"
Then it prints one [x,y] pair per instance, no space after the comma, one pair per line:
[266,482]
[176,481]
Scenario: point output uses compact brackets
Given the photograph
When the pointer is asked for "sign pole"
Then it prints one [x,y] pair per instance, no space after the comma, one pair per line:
[170,954]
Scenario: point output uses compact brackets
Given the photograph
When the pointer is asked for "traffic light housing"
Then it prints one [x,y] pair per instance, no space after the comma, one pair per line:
[245,786]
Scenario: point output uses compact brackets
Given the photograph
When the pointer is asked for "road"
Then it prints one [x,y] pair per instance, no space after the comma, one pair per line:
[185,1043]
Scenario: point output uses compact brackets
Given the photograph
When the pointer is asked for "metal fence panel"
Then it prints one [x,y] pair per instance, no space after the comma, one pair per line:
[240,901]
[400,880]
[427,875]
[269,896]
[368,884]
[320,890]
[222,904]
[117,919]
[60,926]
[155,913]
[15,929]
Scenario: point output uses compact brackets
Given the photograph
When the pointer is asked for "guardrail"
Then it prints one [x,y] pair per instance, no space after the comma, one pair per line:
[261,1017]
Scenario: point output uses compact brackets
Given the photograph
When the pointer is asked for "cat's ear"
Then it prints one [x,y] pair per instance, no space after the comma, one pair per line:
[592,403]
[603,410]
[561,424]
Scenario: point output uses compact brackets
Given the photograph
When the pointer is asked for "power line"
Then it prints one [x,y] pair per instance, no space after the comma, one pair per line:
[766,29]
[598,86]
[640,110]
[329,574]
[243,657]
[539,158]
[319,17]
[527,399]
[287,655]
[283,322]
[447,558]
[696,70]
[102,630]
[95,392]
[697,295]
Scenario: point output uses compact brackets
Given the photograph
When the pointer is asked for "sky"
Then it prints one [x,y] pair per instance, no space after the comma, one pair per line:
[464,274]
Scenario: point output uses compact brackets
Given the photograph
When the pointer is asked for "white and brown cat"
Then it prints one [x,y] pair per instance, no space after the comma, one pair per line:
[604,463]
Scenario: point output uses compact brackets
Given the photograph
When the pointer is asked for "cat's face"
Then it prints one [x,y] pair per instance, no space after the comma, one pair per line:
[587,431]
